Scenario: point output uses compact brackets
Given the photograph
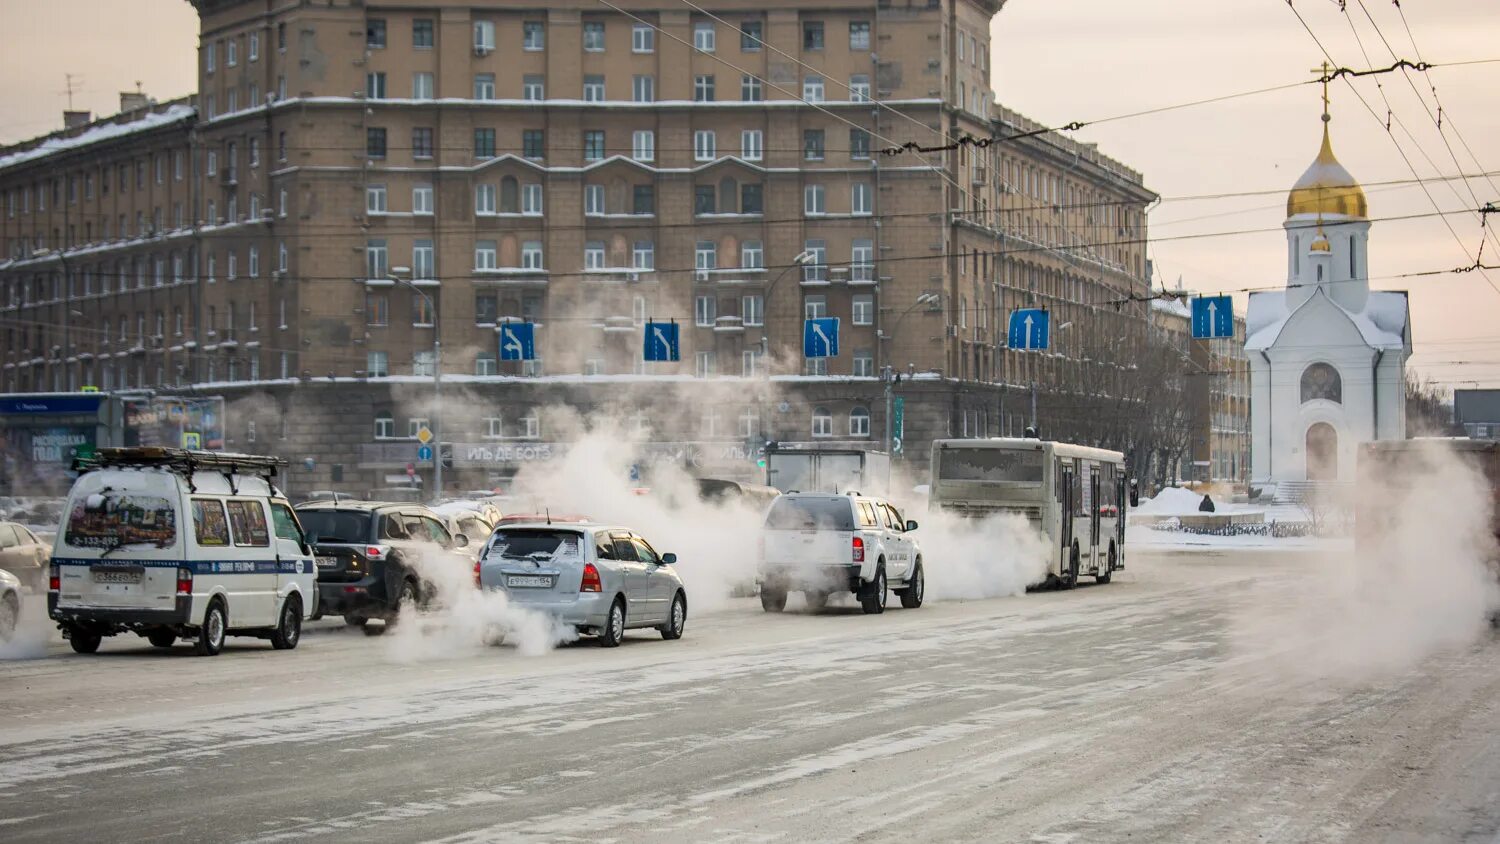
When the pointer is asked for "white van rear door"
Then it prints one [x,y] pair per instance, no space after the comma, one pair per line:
[119,547]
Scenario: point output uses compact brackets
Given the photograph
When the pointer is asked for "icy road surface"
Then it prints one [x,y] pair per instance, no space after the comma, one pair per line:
[1110,713]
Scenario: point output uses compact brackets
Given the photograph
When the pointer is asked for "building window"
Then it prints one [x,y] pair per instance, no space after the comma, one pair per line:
[374,143]
[253,265]
[593,36]
[812,35]
[753,310]
[752,144]
[231,52]
[484,86]
[423,264]
[593,89]
[643,89]
[813,89]
[814,201]
[864,309]
[812,144]
[642,38]
[421,199]
[377,309]
[703,199]
[864,364]
[421,33]
[484,143]
[750,36]
[859,88]
[593,199]
[593,145]
[859,422]
[533,87]
[822,422]
[859,144]
[752,199]
[485,364]
[816,268]
[385,425]
[705,258]
[421,86]
[703,36]
[752,255]
[375,86]
[485,255]
[374,33]
[531,255]
[643,199]
[862,261]
[533,36]
[484,199]
[375,199]
[486,308]
[534,144]
[861,198]
[210,55]
[423,364]
[703,364]
[703,88]
[643,145]
[1321,381]
[859,35]
[377,264]
[484,36]
[752,90]
[643,257]
[421,142]
[531,198]
[377,365]
[705,145]
[421,310]
[593,255]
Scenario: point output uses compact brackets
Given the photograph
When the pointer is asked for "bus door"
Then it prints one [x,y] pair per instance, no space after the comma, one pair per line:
[1066,493]
[1121,500]
[1094,504]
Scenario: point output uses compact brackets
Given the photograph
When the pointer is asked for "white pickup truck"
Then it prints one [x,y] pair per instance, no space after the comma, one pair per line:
[818,544]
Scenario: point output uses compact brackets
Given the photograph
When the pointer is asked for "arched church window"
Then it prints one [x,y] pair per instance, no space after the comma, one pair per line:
[1297,255]
[1353,266]
[1321,381]
[1320,272]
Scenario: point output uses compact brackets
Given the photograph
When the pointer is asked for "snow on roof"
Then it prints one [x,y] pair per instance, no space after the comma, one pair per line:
[1172,306]
[1382,323]
[98,134]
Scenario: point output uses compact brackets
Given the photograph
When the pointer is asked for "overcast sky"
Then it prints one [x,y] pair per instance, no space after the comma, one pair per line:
[1064,60]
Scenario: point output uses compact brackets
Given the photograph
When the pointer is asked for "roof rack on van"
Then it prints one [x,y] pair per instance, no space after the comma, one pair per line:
[183,461]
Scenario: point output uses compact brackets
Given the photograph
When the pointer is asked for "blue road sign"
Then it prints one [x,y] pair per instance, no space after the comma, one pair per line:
[518,341]
[1213,316]
[820,338]
[424,452]
[661,342]
[1030,328]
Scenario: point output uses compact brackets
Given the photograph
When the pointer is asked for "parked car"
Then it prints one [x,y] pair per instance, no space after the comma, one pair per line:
[487,512]
[10,605]
[547,518]
[818,544]
[367,556]
[173,544]
[24,555]
[601,579]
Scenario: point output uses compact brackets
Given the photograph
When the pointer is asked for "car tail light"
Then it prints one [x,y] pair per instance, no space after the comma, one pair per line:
[477,584]
[375,552]
[859,550]
[54,582]
[591,581]
[184,581]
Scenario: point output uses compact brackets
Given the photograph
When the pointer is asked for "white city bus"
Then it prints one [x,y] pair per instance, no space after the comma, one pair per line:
[1072,494]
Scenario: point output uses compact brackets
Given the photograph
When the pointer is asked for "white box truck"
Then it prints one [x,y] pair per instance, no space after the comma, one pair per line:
[827,469]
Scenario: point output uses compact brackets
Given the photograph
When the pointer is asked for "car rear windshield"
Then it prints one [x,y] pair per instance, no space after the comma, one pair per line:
[347,526]
[112,519]
[811,514]
[990,464]
[535,543]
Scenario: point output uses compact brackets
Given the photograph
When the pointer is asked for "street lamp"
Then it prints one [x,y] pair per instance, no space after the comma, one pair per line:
[437,380]
[803,258]
[888,373]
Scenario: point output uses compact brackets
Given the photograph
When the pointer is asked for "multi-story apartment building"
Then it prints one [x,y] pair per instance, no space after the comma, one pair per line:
[367,190]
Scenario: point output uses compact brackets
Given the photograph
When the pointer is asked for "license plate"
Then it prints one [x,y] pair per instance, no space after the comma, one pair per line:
[529,582]
[328,562]
[117,576]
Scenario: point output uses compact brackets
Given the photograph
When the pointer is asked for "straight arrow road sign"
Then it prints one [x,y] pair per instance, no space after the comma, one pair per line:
[1030,329]
[1213,316]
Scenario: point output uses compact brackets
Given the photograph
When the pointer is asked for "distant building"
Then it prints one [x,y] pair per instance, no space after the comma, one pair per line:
[1327,354]
[1478,413]
[1216,384]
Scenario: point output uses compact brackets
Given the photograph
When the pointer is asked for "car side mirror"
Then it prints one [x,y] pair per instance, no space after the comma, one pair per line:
[668,558]
[461,540]
[911,525]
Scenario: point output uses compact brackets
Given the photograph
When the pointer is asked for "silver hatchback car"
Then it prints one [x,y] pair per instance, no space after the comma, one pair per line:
[602,579]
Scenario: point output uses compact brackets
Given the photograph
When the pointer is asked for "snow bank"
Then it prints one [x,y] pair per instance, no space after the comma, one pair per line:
[1174,501]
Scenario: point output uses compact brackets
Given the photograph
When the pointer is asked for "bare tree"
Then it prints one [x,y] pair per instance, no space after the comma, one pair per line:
[1429,409]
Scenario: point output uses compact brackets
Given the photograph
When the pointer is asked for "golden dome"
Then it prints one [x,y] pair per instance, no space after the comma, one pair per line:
[1327,188]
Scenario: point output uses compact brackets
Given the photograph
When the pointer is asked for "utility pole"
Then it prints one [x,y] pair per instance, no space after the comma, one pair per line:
[888,375]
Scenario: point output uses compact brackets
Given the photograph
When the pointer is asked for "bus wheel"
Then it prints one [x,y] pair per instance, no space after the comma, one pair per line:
[1109,567]
[1070,580]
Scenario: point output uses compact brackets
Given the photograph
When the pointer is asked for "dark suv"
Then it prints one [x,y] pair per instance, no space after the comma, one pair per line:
[366,553]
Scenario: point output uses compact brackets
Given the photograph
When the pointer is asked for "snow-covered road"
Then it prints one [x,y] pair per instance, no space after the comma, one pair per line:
[1110,713]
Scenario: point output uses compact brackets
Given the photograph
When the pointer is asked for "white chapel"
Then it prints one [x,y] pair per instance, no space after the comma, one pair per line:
[1327,354]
